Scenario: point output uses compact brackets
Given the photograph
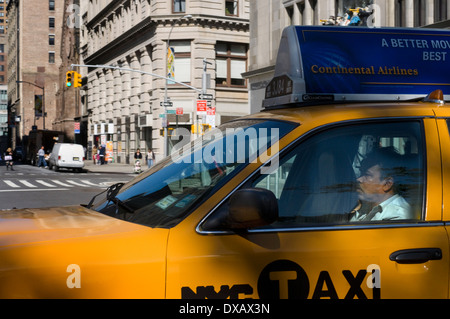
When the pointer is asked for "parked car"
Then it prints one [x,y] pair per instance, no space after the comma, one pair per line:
[19,154]
[67,155]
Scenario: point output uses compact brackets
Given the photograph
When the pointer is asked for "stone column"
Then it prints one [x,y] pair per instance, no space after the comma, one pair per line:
[146,81]
[409,13]
[109,78]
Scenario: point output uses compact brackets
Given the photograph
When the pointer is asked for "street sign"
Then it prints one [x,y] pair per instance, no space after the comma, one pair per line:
[166,104]
[179,111]
[201,106]
[205,96]
[76,127]
[211,111]
[171,111]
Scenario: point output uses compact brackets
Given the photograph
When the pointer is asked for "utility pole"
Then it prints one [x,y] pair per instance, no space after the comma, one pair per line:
[166,99]
[205,77]
[203,96]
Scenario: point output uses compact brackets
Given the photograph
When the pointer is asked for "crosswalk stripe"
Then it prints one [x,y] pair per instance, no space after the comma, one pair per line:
[77,184]
[33,190]
[26,183]
[11,184]
[44,183]
[52,184]
[89,183]
[62,184]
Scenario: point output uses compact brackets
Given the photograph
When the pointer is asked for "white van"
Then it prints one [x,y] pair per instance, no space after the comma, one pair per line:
[66,155]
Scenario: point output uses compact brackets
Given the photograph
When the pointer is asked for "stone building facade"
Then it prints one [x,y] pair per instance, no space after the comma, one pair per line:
[125,111]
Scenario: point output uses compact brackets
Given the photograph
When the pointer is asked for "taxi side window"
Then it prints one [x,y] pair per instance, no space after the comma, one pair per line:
[371,172]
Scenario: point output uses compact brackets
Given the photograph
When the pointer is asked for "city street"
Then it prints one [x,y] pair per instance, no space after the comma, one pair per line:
[30,187]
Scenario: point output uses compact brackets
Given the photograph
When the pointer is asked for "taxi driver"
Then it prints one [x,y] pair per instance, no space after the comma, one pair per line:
[377,188]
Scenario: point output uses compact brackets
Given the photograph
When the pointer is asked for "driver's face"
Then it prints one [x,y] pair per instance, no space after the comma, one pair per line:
[370,185]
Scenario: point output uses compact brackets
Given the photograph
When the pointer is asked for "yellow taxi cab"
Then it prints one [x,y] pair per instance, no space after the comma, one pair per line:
[338,189]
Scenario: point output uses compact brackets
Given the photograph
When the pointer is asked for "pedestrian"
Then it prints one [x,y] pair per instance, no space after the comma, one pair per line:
[150,157]
[94,153]
[41,160]
[9,159]
[138,155]
[101,153]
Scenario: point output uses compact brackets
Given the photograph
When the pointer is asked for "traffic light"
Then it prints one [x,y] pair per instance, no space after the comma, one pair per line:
[200,128]
[69,78]
[76,79]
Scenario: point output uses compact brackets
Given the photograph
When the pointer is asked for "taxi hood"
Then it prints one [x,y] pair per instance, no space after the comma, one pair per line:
[26,226]
[74,252]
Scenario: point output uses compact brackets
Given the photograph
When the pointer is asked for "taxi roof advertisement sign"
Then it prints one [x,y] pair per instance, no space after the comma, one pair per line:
[397,63]
[371,60]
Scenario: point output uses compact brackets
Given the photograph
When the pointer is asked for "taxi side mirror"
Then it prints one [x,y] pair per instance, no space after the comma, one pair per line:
[247,208]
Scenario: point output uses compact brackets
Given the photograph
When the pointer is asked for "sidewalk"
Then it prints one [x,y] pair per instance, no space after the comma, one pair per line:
[113,168]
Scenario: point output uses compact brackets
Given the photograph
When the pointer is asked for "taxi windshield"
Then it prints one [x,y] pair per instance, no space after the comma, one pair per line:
[164,195]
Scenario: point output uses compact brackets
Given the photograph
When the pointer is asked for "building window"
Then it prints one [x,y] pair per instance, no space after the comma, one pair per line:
[51,5]
[51,57]
[51,22]
[231,62]
[231,7]
[179,5]
[51,39]
[182,62]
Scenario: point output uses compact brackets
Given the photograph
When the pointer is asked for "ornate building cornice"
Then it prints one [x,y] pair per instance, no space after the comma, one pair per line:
[139,33]
[146,29]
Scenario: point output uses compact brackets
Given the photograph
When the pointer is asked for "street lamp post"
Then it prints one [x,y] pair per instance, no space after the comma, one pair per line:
[43,99]
[166,99]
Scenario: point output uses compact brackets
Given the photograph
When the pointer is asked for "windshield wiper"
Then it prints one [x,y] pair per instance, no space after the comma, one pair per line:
[111,193]
[111,196]
[91,203]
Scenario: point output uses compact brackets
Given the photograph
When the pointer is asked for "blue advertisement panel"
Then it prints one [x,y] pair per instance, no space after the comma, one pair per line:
[355,60]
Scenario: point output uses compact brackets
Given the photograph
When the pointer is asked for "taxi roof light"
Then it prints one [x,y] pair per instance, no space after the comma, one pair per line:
[437,96]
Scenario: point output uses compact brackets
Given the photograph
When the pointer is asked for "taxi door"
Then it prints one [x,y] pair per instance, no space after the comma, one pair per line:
[314,250]
[443,122]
